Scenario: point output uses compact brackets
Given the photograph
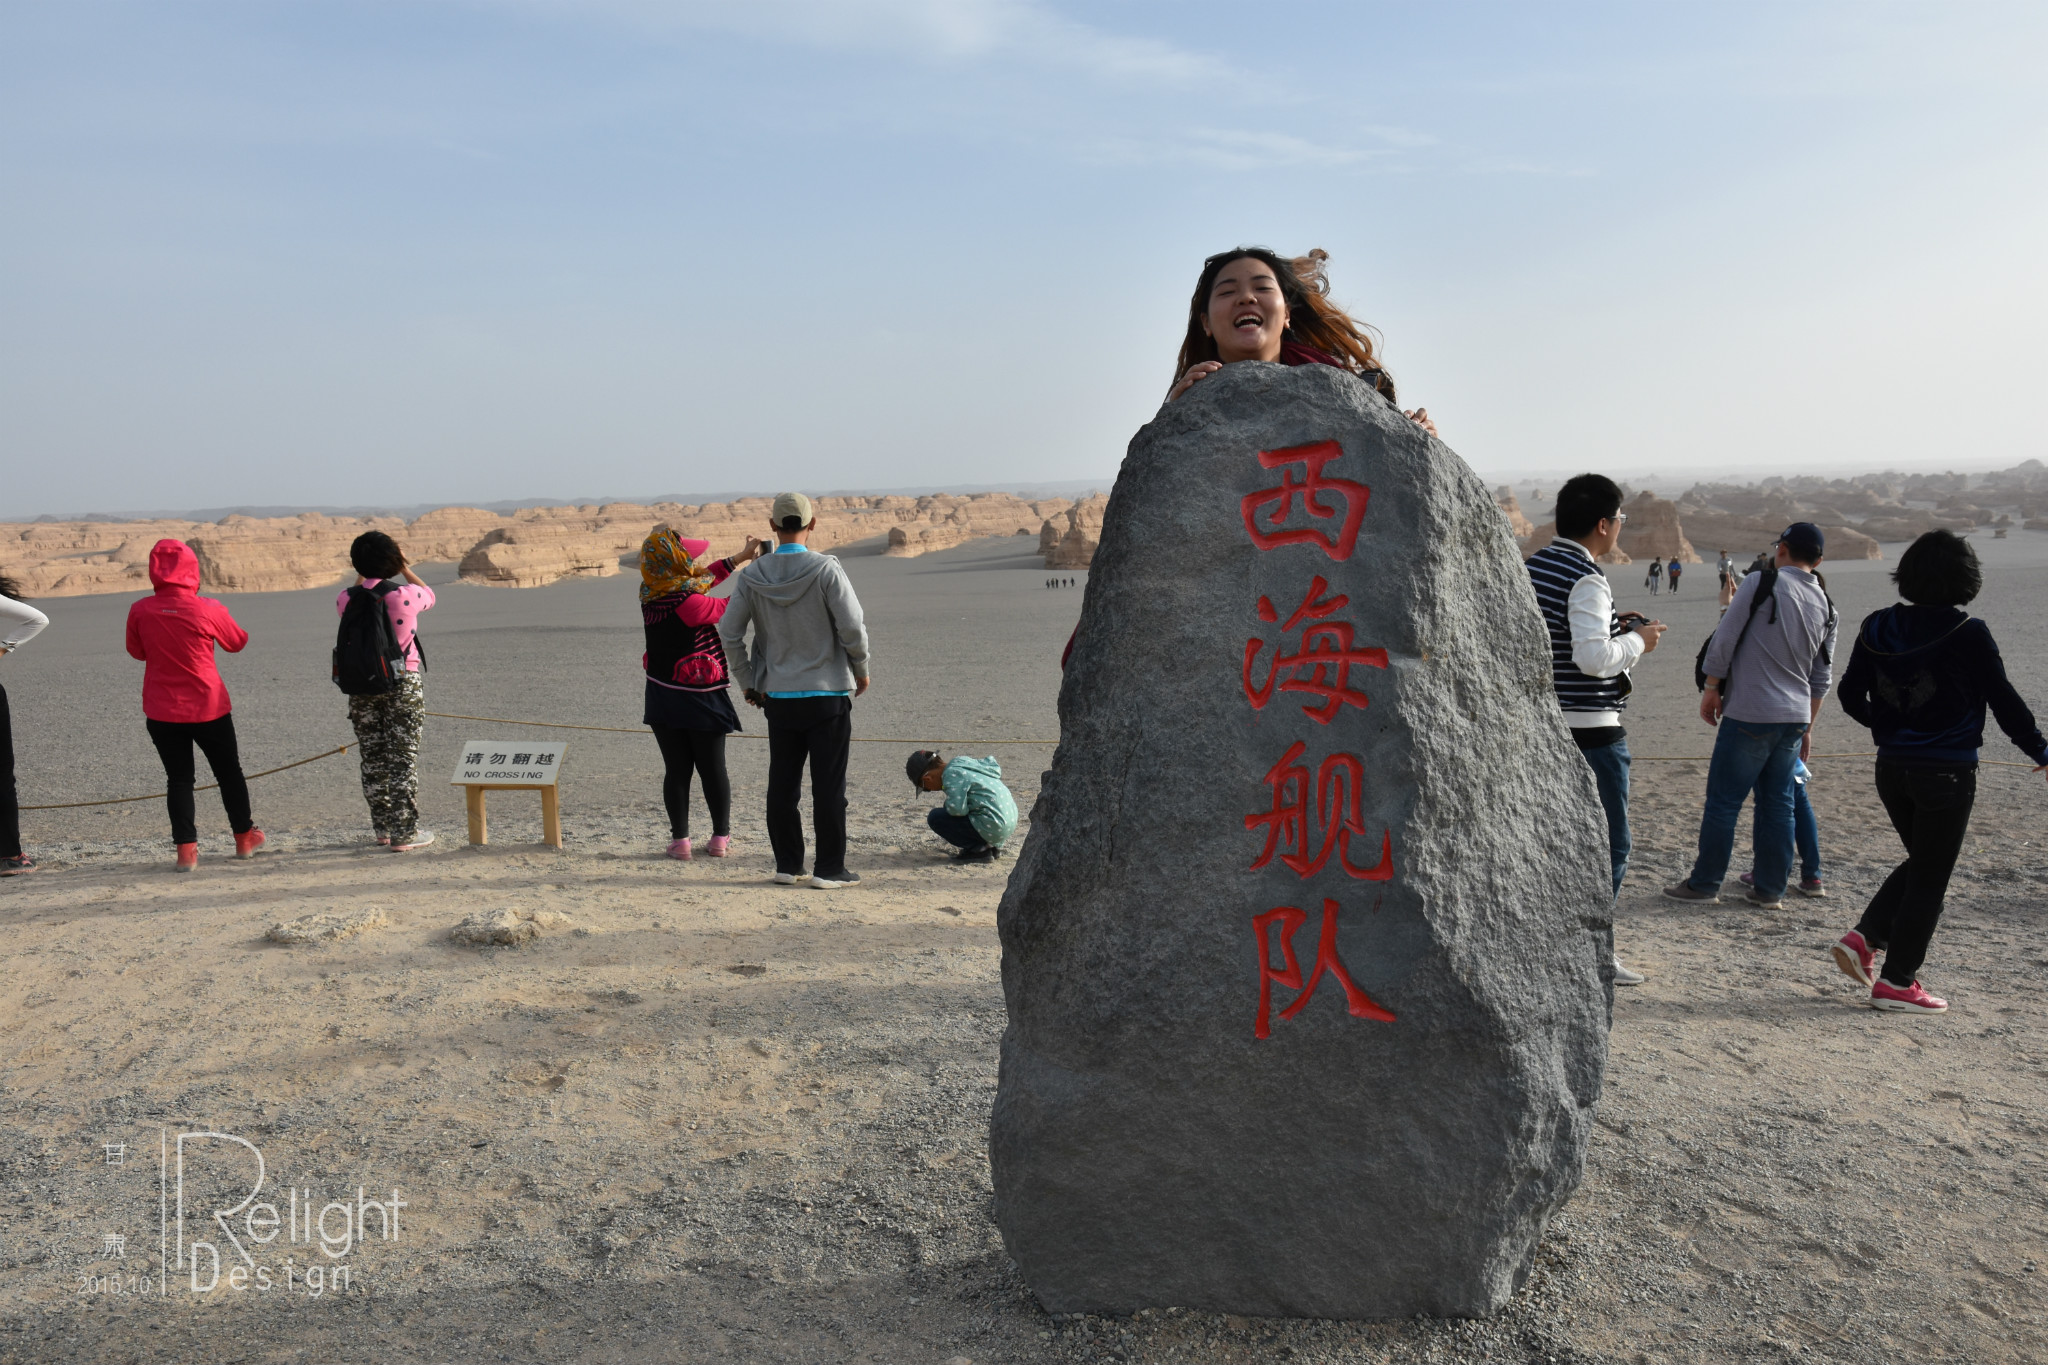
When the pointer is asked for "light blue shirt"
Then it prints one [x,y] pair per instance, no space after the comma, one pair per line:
[797,548]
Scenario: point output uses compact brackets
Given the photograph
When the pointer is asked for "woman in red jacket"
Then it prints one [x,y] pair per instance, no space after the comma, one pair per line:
[688,707]
[184,700]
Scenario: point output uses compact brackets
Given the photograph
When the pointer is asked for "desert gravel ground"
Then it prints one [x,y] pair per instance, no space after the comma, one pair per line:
[703,1117]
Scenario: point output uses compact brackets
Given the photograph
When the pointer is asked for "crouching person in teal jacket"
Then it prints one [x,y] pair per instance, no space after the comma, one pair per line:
[979,815]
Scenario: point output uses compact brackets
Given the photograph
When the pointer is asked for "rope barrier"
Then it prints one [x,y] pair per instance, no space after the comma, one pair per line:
[1708,758]
[975,743]
[618,730]
[211,786]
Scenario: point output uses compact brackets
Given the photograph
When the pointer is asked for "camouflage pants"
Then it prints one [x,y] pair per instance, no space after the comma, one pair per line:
[388,738]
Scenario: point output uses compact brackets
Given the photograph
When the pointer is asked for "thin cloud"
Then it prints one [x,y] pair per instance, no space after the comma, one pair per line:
[1247,149]
[946,31]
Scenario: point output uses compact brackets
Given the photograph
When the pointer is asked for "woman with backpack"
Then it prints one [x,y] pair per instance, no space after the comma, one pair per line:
[184,701]
[381,665]
[1920,677]
[19,623]
[688,706]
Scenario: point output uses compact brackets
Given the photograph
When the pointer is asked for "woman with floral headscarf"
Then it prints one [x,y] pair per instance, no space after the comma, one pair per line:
[687,705]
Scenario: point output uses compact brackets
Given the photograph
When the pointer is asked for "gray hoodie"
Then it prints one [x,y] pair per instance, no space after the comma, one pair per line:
[809,635]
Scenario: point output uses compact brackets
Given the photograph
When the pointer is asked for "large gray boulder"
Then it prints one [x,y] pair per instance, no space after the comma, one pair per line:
[1175,1123]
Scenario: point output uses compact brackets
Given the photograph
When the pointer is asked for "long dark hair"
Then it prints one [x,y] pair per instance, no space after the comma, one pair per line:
[9,588]
[1312,320]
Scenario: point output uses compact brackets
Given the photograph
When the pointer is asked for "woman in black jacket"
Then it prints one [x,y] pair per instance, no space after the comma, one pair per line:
[1920,677]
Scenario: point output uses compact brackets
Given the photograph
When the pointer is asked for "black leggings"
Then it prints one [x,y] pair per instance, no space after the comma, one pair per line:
[1930,807]
[216,739]
[10,808]
[704,751]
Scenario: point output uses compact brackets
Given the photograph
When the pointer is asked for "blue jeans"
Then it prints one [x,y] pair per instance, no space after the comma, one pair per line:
[1610,775]
[1805,833]
[957,830]
[1749,755]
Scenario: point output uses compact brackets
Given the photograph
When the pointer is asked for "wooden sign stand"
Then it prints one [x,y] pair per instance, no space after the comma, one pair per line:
[550,810]
[485,767]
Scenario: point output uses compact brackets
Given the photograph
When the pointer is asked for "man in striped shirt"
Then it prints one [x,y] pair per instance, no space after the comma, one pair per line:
[1592,649]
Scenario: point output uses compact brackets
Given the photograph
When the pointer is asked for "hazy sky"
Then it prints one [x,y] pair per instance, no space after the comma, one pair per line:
[437,251]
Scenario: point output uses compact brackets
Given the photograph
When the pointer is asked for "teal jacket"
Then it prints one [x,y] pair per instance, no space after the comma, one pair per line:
[974,788]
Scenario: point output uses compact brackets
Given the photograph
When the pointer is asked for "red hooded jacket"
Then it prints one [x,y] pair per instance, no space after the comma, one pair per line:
[174,633]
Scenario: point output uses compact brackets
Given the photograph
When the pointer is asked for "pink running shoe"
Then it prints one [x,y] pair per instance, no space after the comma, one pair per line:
[719,844]
[188,857]
[1905,999]
[1855,959]
[679,849]
[247,844]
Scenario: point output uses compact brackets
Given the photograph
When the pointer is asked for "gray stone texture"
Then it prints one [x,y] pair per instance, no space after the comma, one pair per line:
[1148,1149]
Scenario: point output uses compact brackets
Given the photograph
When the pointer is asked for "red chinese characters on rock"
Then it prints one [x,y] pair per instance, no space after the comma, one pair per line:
[1314,815]
[1336,809]
[1288,974]
[1322,660]
[1302,477]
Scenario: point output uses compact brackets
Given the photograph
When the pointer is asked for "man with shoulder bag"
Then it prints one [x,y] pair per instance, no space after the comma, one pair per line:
[1763,676]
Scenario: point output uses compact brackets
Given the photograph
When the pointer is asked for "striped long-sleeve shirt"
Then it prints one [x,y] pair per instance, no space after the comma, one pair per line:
[1590,653]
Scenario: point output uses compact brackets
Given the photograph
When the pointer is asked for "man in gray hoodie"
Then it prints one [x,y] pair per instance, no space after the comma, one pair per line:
[809,660]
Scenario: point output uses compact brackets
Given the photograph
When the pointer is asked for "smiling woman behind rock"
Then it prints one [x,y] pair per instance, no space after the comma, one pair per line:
[1251,305]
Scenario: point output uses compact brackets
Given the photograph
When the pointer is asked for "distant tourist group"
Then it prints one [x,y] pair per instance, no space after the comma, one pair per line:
[1920,677]
[1059,582]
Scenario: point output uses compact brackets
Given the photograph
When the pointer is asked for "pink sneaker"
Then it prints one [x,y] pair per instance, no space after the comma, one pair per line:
[247,844]
[188,857]
[719,844]
[1905,999]
[679,849]
[1855,959]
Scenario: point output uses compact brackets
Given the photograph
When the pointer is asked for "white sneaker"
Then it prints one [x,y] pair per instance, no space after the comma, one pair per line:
[419,840]
[837,879]
[1624,977]
[788,878]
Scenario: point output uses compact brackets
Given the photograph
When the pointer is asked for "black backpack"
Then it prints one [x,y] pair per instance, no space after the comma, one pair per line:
[368,657]
[1766,590]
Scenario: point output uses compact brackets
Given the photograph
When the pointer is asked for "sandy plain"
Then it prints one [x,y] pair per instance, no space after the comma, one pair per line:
[709,1118]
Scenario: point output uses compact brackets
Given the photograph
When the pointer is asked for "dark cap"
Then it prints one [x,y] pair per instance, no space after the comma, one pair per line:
[919,764]
[1804,540]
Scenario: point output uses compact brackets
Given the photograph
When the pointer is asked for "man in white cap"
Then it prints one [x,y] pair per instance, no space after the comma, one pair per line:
[809,660]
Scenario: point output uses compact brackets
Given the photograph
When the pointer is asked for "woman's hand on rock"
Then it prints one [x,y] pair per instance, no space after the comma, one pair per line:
[1199,370]
[1421,419]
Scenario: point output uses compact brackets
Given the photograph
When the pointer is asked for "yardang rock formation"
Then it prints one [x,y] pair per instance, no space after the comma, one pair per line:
[523,549]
